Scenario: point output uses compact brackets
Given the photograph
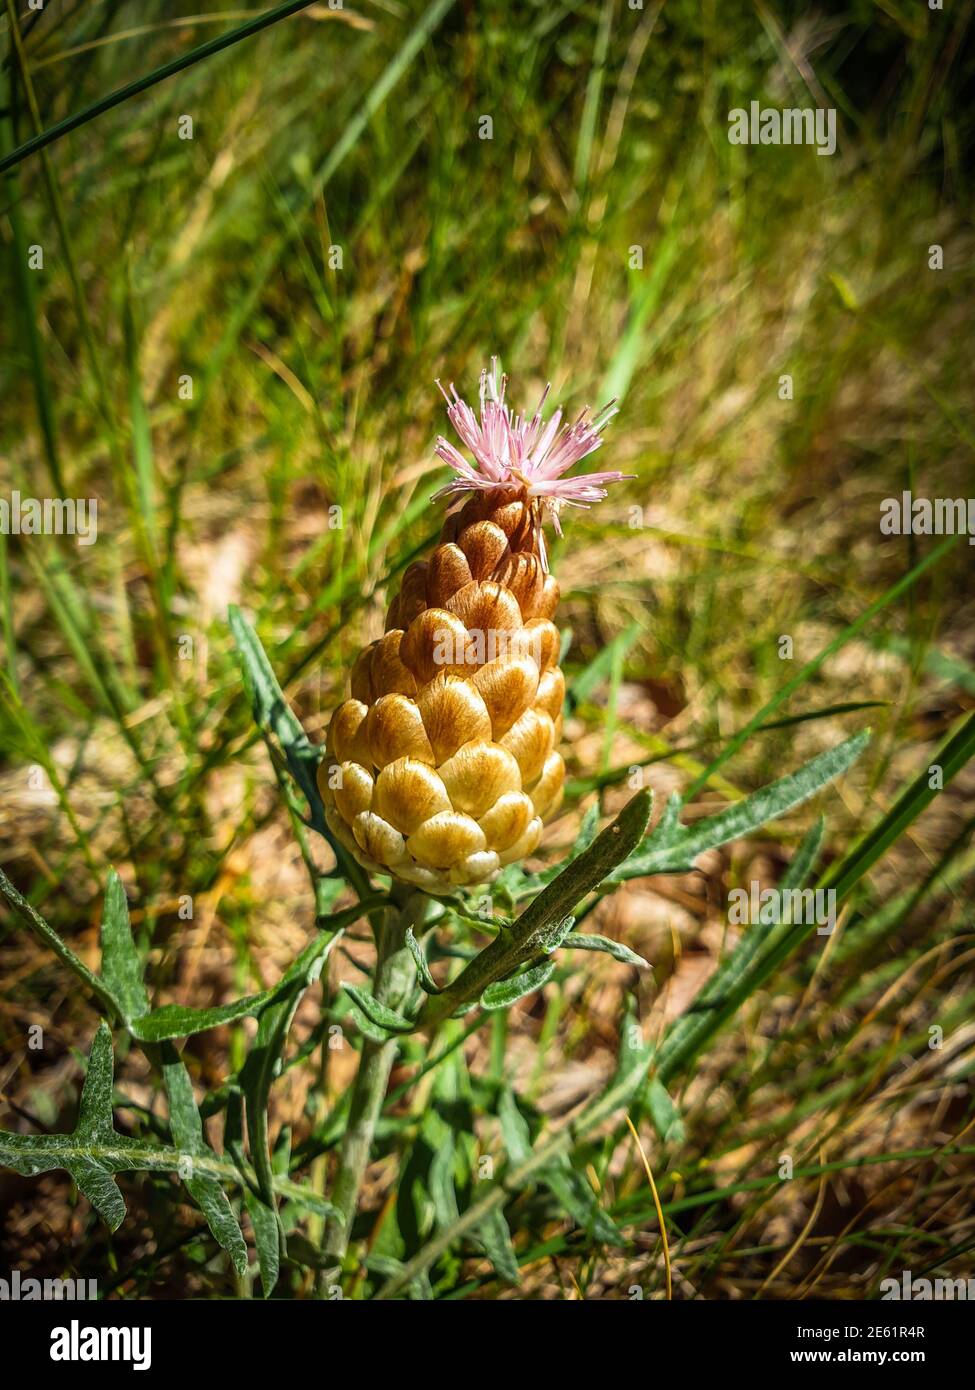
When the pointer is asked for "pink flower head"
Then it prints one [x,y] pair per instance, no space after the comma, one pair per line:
[530,455]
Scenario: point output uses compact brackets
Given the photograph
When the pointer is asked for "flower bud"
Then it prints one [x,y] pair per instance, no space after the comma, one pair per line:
[443,764]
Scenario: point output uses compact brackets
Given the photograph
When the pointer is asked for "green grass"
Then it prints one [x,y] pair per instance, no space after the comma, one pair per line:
[128,738]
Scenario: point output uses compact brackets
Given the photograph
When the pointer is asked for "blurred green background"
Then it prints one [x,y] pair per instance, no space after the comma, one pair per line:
[234,334]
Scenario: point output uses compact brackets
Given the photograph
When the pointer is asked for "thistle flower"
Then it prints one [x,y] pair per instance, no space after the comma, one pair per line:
[443,765]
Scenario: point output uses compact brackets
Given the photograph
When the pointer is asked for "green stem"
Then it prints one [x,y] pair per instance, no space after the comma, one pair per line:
[394,979]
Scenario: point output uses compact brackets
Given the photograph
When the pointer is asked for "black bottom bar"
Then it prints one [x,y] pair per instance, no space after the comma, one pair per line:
[65,1340]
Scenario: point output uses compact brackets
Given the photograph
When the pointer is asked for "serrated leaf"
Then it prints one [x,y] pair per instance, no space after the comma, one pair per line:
[119,987]
[504,993]
[587,941]
[387,1020]
[92,1151]
[95,1150]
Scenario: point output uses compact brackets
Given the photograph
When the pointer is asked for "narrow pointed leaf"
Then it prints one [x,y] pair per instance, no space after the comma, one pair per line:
[515,1133]
[101,1189]
[382,1017]
[267,1240]
[177,1021]
[422,969]
[186,1128]
[673,848]
[494,1237]
[257,1076]
[441,1185]
[585,941]
[504,993]
[215,1206]
[664,1113]
[277,722]
[95,1111]
[121,965]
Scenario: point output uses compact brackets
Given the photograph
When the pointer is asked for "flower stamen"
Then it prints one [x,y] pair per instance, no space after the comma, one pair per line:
[530,455]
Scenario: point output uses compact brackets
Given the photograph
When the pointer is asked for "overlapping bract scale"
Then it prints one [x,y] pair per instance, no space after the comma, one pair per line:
[443,764]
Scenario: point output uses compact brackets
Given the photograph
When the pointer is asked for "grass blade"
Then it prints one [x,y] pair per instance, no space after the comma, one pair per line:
[142,84]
